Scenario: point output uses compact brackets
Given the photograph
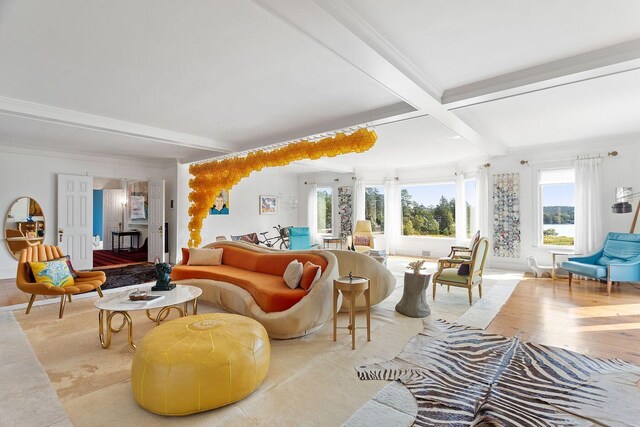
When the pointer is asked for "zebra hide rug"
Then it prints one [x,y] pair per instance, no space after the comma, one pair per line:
[462,376]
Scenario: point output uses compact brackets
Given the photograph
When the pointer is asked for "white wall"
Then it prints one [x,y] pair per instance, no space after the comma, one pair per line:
[619,171]
[322,179]
[244,216]
[34,174]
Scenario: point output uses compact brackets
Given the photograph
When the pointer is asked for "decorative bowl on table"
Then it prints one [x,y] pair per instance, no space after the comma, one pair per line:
[138,295]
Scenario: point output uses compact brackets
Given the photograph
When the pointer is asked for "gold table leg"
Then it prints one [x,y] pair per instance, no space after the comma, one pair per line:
[335,311]
[105,338]
[367,297]
[162,314]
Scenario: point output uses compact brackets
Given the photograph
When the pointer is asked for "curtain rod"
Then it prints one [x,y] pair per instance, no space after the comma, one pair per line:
[613,153]
[321,182]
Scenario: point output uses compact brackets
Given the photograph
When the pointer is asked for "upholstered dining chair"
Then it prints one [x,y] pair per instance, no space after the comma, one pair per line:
[450,274]
[362,238]
[85,282]
[464,252]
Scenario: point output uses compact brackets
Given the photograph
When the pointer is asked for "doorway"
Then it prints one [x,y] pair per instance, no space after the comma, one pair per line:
[119,235]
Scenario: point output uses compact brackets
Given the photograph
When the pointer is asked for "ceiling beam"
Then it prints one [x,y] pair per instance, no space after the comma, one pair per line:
[50,114]
[335,26]
[598,63]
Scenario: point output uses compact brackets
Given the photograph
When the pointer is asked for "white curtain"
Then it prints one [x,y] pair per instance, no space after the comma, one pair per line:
[312,211]
[589,205]
[461,210]
[482,195]
[392,215]
[358,201]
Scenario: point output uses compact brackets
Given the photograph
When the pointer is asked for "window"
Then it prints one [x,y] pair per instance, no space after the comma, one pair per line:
[429,210]
[472,208]
[325,210]
[374,207]
[557,196]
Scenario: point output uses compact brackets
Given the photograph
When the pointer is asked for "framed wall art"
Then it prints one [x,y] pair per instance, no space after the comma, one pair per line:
[506,215]
[268,205]
[220,204]
[138,202]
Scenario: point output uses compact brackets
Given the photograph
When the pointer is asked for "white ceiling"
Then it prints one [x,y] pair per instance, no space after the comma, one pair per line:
[416,142]
[163,80]
[608,106]
[457,42]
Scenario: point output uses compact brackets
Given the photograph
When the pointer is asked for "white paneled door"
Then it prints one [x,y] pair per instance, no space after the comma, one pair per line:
[156,221]
[75,219]
[113,211]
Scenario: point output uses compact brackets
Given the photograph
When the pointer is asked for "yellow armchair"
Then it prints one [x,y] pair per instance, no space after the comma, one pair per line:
[85,282]
[362,238]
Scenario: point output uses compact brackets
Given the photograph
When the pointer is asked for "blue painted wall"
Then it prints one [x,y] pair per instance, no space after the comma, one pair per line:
[97,213]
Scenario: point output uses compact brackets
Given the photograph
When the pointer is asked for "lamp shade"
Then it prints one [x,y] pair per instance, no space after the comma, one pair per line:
[621,207]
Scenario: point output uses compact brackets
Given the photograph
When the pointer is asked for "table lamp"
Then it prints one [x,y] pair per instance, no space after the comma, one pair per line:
[624,195]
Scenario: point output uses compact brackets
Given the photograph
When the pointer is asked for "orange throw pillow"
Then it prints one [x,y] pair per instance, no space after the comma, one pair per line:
[185,256]
[310,275]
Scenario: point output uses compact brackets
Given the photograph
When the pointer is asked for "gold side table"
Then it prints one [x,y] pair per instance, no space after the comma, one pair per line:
[351,288]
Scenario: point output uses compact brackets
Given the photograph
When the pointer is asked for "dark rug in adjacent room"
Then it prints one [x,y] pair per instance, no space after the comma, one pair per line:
[463,376]
[129,275]
[103,258]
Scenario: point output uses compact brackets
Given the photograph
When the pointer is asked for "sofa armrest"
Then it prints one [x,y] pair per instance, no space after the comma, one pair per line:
[625,272]
[587,259]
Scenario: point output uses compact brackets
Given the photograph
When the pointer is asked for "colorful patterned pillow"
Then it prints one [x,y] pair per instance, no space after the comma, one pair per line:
[55,273]
[362,240]
[67,259]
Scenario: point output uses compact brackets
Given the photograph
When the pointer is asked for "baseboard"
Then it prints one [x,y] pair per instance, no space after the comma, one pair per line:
[7,273]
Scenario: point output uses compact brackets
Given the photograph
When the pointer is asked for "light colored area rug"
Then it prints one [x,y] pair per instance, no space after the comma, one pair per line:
[310,380]
[27,396]
[462,376]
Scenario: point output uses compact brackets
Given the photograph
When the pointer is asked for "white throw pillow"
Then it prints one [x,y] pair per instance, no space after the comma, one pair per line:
[293,274]
[205,256]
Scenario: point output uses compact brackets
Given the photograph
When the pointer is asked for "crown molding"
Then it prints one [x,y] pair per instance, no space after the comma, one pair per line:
[51,114]
[88,157]
[578,146]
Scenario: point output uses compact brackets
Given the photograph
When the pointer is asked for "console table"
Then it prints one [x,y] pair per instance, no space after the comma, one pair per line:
[119,234]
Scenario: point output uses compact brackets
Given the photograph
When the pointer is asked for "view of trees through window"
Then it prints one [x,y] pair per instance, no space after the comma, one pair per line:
[325,209]
[558,207]
[429,210]
[374,207]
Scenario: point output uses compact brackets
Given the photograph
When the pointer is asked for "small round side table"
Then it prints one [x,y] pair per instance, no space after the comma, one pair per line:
[351,288]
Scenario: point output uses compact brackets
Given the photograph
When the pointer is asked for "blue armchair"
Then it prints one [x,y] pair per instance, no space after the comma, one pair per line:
[300,238]
[618,260]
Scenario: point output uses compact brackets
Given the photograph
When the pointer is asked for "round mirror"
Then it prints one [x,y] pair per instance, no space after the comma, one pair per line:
[24,225]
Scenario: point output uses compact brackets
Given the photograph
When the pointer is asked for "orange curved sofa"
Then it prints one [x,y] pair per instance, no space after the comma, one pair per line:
[250,282]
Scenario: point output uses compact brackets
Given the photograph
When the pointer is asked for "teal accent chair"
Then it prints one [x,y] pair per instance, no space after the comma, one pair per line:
[300,239]
[618,260]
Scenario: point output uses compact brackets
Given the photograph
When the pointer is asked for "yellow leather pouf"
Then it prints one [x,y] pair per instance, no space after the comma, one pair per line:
[196,363]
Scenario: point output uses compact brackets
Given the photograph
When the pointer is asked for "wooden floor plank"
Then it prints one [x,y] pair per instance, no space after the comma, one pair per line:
[581,318]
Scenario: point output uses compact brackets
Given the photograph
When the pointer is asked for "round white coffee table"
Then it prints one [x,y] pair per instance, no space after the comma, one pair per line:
[177,299]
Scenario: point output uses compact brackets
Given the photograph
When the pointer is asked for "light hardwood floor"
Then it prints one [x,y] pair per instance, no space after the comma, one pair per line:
[581,318]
